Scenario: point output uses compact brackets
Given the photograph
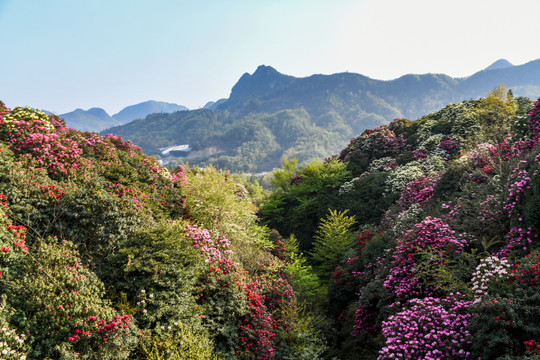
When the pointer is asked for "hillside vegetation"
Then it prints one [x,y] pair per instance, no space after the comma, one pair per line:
[418,240]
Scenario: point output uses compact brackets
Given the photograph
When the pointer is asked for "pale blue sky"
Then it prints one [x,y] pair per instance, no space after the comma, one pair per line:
[65,54]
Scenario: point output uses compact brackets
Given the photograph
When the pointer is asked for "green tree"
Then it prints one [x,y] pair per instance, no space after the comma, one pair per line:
[282,177]
[333,238]
[496,113]
[299,208]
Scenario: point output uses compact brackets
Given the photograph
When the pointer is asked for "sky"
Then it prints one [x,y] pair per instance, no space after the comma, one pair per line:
[60,55]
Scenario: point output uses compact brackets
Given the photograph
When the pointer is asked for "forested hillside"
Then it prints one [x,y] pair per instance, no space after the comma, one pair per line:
[269,115]
[419,240]
[425,233]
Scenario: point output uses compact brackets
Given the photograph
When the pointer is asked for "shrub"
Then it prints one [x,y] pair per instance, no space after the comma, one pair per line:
[429,328]
[63,306]
[505,325]
[432,233]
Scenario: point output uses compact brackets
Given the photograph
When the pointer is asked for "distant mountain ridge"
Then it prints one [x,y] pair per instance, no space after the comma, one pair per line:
[96,119]
[408,93]
[93,119]
[141,110]
[269,115]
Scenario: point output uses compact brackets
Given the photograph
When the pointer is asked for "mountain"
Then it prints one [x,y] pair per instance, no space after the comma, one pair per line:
[269,115]
[499,64]
[524,80]
[212,105]
[141,110]
[94,119]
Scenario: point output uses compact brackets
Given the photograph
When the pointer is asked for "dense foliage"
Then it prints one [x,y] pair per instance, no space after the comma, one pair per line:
[444,262]
[418,241]
[107,255]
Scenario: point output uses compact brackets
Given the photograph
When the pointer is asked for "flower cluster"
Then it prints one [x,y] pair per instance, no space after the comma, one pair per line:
[429,328]
[418,191]
[32,137]
[430,233]
[488,273]
[534,122]
[484,154]
[526,273]
[375,144]
[517,238]
[520,183]
[419,154]
[12,343]
[450,147]
[364,321]
[216,250]
[490,210]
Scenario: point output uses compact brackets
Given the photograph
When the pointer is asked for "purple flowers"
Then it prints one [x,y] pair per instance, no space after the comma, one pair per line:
[428,328]
[430,233]
[418,191]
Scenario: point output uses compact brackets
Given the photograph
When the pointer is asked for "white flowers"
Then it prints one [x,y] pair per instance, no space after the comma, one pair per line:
[489,271]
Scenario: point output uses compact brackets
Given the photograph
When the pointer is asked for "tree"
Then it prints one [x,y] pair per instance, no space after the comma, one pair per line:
[282,177]
[496,113]
[332,240]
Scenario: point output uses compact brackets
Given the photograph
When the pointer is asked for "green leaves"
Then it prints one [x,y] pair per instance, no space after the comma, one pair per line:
[332,240]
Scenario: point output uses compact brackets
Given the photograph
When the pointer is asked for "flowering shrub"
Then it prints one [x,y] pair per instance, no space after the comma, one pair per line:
[490,277]
[31,136]
[406,219]
[432,142]
[418,191]
[420,153]
[13,343]
[432,233]
[505,325]
[429,328]
[450,147]
[403,175]
[534,122]
[215,250]
[256,307]
[372,144]
[62,305]
[482,155]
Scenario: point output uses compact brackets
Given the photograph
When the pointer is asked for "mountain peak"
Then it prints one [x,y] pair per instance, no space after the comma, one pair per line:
[264,80]
[265,70]
[500,64]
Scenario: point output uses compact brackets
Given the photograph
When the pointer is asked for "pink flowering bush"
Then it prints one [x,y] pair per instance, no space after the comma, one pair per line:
[370,145]
[255,308]
[60,304]
[450,147]
[420,153]
[431,233]
[215,249]
[429,328]
[534,122]
[418,191]
[483,154]
[31,136]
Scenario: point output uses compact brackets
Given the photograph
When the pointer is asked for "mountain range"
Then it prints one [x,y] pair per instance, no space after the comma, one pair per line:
[269,115]
[96,119]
